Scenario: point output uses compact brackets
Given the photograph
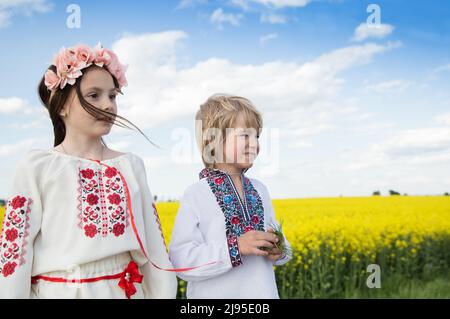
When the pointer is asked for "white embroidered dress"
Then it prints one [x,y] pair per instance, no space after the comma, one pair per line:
[210,219]
[74,227]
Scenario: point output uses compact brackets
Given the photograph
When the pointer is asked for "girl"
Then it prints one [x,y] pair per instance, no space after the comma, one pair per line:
[223,217]
[81,222]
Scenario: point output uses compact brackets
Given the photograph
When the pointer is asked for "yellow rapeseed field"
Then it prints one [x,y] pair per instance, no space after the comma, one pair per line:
[360,224]
[334,239]
[2,212]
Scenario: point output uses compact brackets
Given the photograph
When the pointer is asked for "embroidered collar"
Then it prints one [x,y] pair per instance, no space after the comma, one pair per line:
[211,172]
[241,216]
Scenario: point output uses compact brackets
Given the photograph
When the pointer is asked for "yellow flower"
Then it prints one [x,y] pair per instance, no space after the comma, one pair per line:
[355,229]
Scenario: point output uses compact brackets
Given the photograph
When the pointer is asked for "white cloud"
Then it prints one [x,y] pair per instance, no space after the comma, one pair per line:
[267,37]
[443,68]
[365,31]
[8,8]
[320,117]
[149,50]
[390,86]
[121,146]
[443,119]
[273,18]
[219,18]
[438,70]
[17,105]
[300,99]
[283,3]
[446,67]
[4,19]
[308,130]
[28,6]
[416,141]
[27,126]
[419,146]
[330,64]
[12,105]
[243,4]
[7,150]
[190,3]
[299,145]
[375,127]
[266,8]
[160,91]
[151,162]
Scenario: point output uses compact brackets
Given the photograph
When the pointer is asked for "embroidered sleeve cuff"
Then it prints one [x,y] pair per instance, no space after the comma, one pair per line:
[282,260]
[233,250]
[14,234]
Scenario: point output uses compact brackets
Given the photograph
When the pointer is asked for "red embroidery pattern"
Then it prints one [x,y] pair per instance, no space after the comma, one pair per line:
[15,230]
[102,202]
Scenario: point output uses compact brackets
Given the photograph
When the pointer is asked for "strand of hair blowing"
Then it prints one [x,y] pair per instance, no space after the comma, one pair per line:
[54,104]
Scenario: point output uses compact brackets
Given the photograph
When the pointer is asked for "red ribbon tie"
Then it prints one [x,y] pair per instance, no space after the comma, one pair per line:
[130,276]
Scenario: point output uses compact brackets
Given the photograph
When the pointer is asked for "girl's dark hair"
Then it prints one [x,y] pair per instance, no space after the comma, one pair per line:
[55,104]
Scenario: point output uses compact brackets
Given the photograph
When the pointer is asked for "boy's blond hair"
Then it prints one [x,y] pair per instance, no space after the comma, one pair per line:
[220,112]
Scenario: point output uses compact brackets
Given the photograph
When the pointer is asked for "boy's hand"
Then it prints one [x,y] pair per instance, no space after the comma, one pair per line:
[251,242]
[274,253]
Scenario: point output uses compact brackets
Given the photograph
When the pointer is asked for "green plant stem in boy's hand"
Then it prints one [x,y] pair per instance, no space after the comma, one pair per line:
[281,244]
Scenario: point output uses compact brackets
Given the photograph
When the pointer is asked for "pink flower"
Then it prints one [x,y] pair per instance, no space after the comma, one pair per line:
[102,56]
[52,81]
[84,53]
[69,63]
[68,67]
[116,68]
[119,74]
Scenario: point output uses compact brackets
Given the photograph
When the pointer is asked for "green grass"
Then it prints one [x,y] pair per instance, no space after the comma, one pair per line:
[423,275]
[392,287]
[399,287]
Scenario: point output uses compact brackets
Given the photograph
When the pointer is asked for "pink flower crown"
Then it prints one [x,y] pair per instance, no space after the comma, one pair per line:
[69,63]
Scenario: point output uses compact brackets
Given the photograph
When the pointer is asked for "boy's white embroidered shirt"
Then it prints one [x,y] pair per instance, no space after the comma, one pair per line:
[64,211]
[203,232]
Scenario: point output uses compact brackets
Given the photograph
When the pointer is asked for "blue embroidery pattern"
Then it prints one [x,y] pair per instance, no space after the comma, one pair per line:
[239,217]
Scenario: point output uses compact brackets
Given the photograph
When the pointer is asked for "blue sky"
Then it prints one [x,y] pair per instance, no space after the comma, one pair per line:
[348,109]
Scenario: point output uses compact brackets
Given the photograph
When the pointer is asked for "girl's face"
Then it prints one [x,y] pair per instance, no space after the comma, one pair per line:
[97,87]
[242,145]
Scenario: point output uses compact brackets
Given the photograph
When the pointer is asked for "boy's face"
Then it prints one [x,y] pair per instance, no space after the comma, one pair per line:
[242,145]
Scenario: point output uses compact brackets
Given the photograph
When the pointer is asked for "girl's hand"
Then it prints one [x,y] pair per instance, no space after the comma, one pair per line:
[251,242]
